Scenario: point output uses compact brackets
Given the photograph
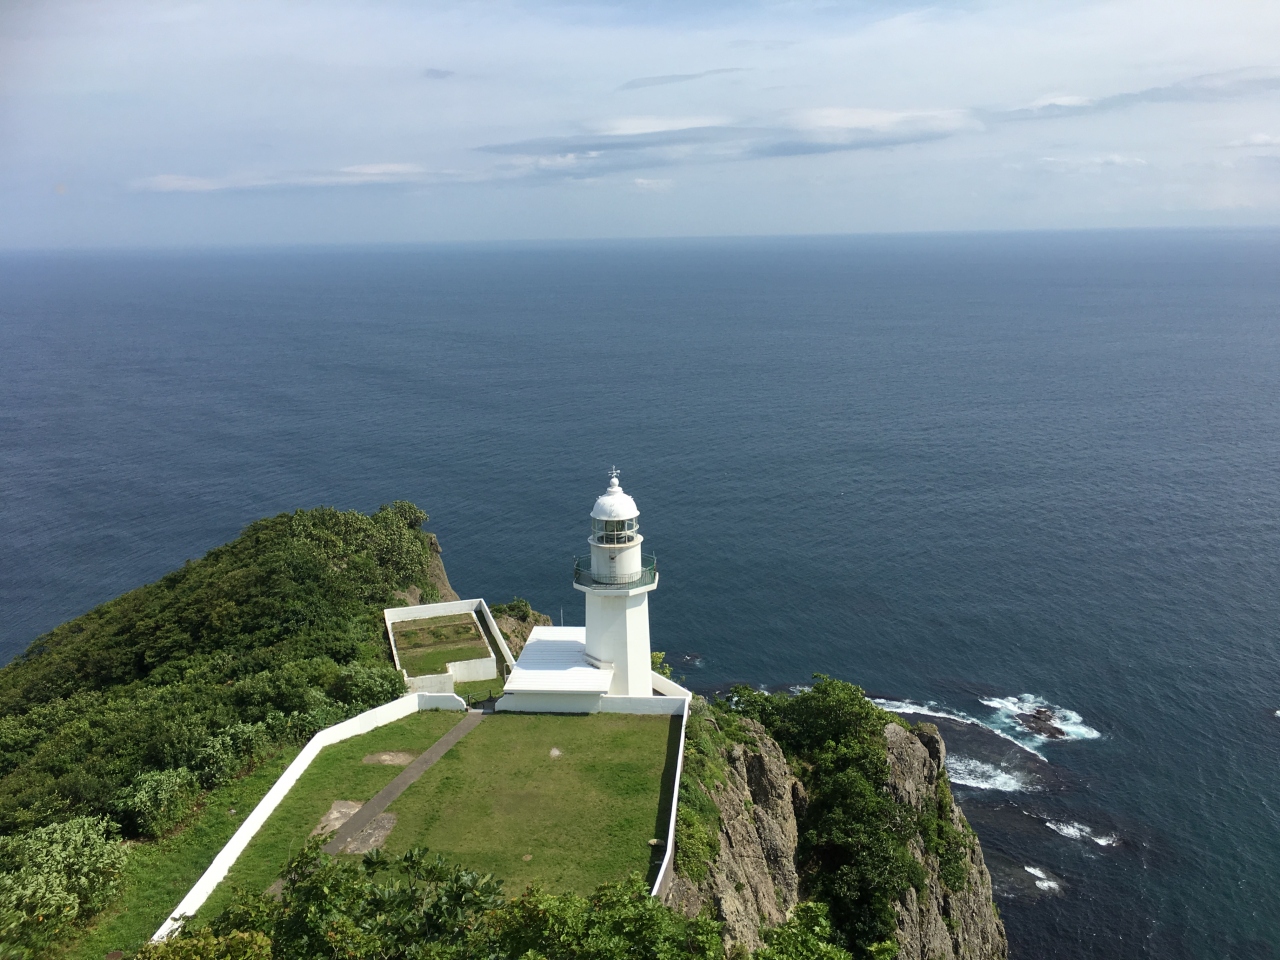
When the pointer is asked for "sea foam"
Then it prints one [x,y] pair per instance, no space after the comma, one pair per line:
[1068,721]
[931,709]
[1078,831]
[967,772]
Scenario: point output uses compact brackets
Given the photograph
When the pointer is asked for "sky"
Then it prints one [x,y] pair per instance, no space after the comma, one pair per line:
[130,123]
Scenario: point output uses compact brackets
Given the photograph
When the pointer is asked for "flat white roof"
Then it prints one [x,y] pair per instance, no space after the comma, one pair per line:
[554,661]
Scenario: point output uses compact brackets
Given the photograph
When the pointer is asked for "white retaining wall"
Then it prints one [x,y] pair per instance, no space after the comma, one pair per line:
[667,872]
[460,671]
[431,683]
[464,671]
[653,706]
[362,723]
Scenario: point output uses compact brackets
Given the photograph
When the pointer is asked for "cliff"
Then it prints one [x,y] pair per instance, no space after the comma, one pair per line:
[939,923]
[753,872]
[753,878]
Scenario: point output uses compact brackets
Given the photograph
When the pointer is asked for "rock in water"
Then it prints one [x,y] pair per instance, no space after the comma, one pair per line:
[1042,722]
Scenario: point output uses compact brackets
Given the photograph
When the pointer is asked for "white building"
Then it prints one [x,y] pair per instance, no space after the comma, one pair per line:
[604,666]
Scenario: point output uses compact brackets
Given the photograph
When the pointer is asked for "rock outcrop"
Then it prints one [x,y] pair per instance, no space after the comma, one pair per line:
[753,880]
[516,632]
[940,924]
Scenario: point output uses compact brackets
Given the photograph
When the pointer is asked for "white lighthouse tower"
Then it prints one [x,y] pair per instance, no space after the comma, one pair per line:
[604,666]
[617,579]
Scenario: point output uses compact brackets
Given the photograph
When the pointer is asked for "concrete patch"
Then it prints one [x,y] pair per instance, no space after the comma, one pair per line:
[338,814]
[374,835]
[391,759]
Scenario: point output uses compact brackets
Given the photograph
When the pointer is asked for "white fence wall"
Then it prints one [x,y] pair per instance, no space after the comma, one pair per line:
[667,872]
[361,723]
[461,671]
[431,683]
[652,706]
[464,671]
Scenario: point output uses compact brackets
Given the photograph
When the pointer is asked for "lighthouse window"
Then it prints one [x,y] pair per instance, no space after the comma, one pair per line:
[614,531]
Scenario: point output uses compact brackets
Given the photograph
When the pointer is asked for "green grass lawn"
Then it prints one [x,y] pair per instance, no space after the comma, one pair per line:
[336,774]
[158,875]
[420,662]
[479,689]
[583,818]
[426,646]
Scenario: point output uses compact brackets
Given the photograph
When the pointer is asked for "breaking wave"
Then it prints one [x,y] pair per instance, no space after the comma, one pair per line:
[931,709]
[1078,831]
[1068,721]
[968,772]
[1042,880]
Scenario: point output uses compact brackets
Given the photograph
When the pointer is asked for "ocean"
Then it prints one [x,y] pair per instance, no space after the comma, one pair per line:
[974,474]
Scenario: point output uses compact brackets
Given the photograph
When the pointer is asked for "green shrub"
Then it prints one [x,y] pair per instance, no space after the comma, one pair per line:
[807,935]
[54,877]
[156,801]
[417,906]
[268,638]
[853,852]
[517,609]
[658,662]
[203,945]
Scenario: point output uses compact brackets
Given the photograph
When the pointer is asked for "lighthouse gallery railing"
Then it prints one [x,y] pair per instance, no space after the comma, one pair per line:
[647,574]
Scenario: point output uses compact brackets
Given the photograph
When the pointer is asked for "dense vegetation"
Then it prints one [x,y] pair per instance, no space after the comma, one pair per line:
[416,906]
[114,725]
[853,853]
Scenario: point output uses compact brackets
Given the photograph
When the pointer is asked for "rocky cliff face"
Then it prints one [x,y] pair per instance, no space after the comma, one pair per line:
[753,880]
[940,924]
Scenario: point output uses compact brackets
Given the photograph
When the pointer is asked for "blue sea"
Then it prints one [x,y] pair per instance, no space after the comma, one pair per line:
[975,474]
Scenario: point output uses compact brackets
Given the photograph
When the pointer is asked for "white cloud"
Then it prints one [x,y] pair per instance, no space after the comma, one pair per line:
[1256,140]
[633,126]
[1090,164]
[773,117]
[1059,100]
[357,175]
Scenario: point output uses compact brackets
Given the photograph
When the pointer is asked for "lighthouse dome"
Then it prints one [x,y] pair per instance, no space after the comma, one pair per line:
[613,504]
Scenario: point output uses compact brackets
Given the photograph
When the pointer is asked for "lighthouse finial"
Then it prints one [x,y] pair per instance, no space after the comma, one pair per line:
[613,472]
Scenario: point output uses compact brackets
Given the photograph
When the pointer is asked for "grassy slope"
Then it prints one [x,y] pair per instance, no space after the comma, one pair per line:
[158,875]
[336,774]
[584,818]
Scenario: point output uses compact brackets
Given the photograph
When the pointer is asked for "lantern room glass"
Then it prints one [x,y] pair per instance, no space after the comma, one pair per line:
[614,531]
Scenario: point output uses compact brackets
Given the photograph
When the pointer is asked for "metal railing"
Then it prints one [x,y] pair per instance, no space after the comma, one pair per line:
[647,574]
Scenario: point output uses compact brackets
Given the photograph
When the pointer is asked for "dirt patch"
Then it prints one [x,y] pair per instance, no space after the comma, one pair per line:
[339,813]
[411,595]
[391,759]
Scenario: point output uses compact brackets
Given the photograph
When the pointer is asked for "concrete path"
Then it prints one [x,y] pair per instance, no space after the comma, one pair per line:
[365,815]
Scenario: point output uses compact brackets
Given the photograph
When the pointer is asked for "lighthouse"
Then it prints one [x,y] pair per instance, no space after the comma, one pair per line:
[605,665]
[617,579]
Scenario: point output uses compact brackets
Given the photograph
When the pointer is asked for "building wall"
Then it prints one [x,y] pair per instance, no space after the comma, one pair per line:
[550,703]
[618,633]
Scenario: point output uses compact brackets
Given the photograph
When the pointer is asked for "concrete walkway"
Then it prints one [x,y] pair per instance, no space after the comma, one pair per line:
[364,816]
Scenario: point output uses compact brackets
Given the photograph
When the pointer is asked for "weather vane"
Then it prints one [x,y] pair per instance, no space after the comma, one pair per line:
[613,472]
